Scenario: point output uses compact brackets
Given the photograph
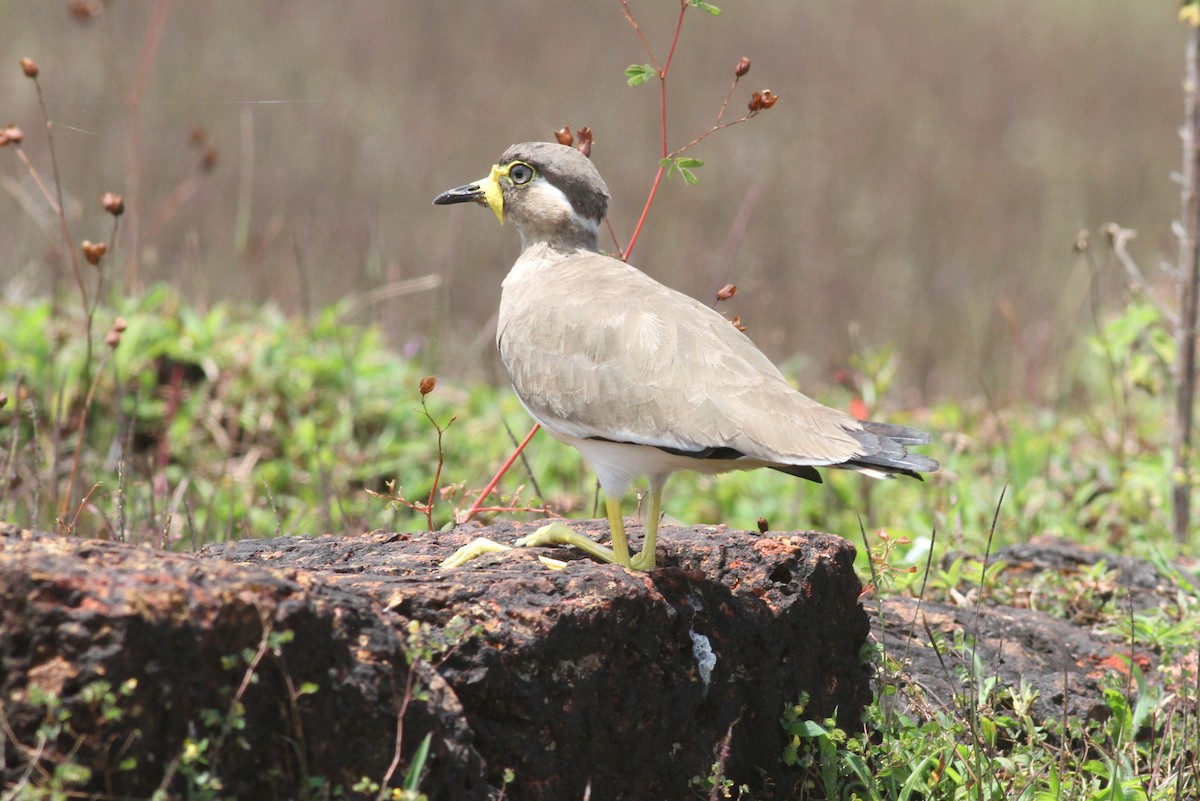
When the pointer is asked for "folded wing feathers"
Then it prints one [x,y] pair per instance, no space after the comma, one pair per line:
[598,376]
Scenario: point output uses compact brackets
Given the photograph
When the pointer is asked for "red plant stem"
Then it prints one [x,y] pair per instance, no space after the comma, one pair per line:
[401,712]
[437,476]
[662,79]
[475,507]
[662,106]
[637,229]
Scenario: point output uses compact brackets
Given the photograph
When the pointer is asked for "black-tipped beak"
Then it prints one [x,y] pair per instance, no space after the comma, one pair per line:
[485,192]
[472,193]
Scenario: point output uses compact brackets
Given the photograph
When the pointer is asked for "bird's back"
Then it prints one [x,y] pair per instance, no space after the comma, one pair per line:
[597,349]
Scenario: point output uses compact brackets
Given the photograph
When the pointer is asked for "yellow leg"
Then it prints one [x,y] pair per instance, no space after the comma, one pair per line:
[616,527]
[645,559]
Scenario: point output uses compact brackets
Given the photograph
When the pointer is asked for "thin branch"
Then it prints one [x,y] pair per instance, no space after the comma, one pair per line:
[645,44]
[477,506]
[60,208]
[1118,240]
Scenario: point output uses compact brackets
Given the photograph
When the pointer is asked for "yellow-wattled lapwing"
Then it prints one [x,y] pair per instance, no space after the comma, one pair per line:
[641,379]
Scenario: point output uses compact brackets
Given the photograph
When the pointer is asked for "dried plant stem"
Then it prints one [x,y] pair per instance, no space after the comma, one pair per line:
[10,464]
[65,500]
[437,475]
[37,179]
[133,140]
[1189,295]
[56,202]
[59,208]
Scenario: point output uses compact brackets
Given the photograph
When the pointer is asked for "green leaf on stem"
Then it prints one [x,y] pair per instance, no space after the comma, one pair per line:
[684,167]
[707,8]
[638,74]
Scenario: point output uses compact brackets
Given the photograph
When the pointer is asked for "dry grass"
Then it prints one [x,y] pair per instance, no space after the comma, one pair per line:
[924,174]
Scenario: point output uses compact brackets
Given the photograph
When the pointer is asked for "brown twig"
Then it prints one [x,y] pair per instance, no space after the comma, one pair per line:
[65,499]
[59,208]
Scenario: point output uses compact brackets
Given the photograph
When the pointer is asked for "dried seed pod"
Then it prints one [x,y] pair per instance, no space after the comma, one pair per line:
[755,105]
[84,10]
[768,98]
[208,161]
[427,384]
[93,251]
[113,338]
[119,324]
[585,141]
[113,203]
[726,292]
[13,134]
[29,67]
[742,67]
[564,137]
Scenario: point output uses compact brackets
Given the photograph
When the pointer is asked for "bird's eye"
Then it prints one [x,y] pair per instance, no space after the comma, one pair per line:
[520,173]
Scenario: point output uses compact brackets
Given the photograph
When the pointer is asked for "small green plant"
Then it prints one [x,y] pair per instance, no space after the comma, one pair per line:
[427,647]
[395,495]
[55,770]
[716,785]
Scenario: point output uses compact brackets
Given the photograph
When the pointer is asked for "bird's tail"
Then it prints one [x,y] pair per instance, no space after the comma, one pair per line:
[887,454]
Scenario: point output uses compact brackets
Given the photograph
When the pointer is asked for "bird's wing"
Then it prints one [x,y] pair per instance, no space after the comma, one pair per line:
[596,348]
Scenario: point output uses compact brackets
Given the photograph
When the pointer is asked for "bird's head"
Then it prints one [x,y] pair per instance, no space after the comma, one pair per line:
[551,192]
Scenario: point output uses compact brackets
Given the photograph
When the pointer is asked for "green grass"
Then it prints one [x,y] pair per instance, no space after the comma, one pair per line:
[239,421]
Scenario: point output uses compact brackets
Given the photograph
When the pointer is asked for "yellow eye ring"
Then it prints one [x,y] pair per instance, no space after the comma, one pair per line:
[520,173]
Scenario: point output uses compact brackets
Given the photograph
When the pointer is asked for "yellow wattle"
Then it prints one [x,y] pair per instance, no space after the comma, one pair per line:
[492,192]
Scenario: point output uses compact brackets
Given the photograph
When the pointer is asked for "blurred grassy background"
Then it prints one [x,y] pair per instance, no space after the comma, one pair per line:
[921,181]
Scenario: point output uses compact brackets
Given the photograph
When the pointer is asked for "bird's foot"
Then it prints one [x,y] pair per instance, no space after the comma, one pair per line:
[482,545]
[643,560]
[473,550]
[558,533]
[552,534]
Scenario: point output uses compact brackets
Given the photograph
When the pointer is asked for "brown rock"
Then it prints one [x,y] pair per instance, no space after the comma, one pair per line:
[1061,657]
[591,676]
